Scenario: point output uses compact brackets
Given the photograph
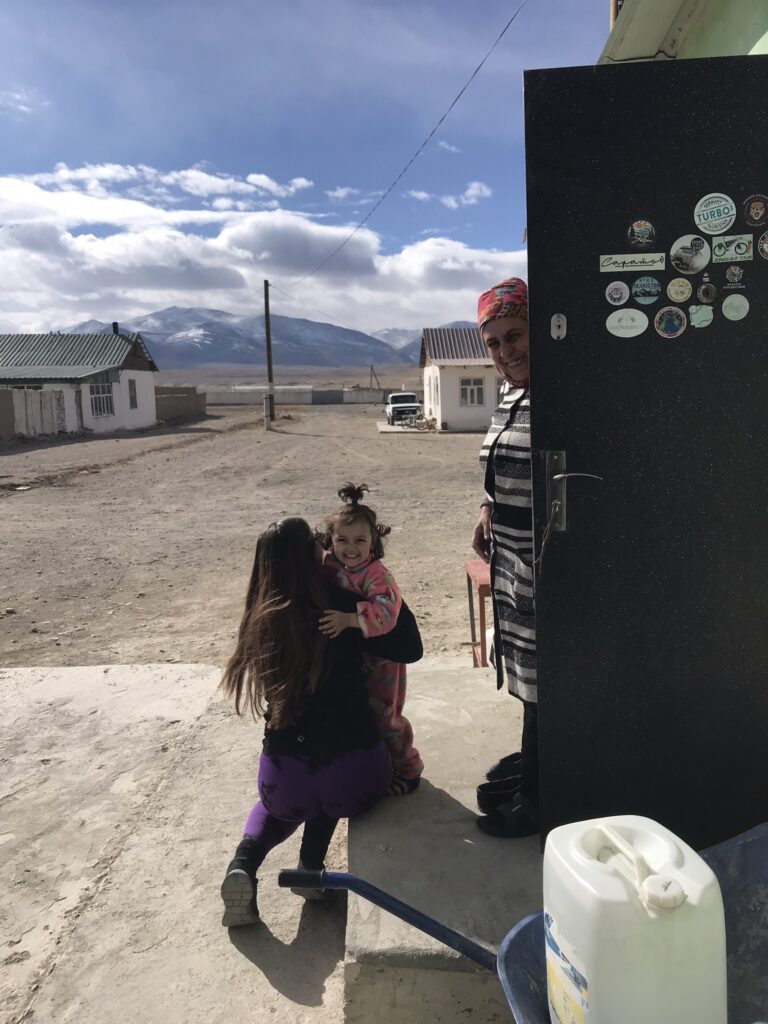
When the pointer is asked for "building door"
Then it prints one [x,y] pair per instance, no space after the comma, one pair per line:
[647,191]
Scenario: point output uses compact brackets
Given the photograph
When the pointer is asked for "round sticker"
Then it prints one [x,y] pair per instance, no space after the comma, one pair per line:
[627,323]
[714,213]
[756,210]
[670,322]
[679,289]
[701,316]
[733,275]
[690,254]
[646,290]
[641,234]
[706,292]
[762,245]
[735,307]
[617,293]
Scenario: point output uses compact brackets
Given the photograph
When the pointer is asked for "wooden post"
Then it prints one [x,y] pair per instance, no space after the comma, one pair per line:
[268,333]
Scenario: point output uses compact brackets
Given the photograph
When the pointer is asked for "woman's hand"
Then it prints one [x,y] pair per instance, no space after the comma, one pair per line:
[481,535]
[332,622]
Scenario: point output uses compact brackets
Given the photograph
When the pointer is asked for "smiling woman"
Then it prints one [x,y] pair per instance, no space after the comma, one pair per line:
[503,536]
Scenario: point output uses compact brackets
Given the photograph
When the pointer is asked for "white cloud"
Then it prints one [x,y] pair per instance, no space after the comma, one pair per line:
[342,192]
[68,253]
[266,184]
[199,183]
[472,194]
[21,102]
[448,147]
[423,197]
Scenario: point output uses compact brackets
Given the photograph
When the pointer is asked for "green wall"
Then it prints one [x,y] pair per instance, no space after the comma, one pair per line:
[729,28]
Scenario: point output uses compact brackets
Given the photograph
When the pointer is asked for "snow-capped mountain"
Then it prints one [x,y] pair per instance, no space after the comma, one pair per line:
[180,337]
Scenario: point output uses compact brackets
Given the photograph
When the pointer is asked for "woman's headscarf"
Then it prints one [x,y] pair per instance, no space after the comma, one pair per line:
[507,298]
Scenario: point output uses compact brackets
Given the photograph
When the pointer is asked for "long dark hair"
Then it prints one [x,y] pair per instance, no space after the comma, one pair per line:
[353,511]
[280,651]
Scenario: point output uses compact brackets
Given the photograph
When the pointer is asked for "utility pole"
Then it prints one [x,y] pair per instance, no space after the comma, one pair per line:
[268,333]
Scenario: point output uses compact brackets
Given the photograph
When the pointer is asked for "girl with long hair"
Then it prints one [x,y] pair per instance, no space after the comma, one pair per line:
[322,757]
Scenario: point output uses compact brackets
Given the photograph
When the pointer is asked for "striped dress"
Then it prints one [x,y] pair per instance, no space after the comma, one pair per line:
[506,456]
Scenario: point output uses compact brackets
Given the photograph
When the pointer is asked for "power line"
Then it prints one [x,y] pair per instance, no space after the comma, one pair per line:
[418,152]
[301,302]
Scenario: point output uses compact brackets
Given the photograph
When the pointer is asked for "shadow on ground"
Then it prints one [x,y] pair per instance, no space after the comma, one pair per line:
[298,969]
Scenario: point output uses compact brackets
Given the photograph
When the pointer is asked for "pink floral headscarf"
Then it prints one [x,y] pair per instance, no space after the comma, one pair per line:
[507,298]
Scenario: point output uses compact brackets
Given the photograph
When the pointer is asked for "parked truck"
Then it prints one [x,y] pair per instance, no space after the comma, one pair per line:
[401,404]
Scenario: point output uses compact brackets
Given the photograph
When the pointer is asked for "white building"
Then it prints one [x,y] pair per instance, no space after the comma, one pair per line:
[461,385]
[104,382]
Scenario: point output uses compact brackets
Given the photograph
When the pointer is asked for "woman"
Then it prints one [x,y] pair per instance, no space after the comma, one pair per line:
[503,536]
[322,757]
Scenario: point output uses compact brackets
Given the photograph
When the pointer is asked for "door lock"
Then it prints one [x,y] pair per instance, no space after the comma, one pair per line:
[557,478]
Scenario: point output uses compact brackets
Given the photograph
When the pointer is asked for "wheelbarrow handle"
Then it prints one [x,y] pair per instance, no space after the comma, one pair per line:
[340,880]
[300,878]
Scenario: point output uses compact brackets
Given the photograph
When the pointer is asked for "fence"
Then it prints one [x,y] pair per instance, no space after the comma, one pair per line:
[30,412]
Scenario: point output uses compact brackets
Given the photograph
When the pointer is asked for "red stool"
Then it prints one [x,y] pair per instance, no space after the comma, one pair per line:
[478,579]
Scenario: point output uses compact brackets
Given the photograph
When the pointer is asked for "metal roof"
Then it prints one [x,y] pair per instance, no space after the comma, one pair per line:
[43,373]
[65,356]
[453,346]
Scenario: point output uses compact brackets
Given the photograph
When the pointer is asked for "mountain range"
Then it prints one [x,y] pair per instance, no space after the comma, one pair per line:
[180,337]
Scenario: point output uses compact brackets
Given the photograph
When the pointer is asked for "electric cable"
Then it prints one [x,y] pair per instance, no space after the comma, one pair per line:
[418,152]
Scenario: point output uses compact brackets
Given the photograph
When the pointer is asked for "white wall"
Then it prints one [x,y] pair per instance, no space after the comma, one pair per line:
[43,412]
[253,394]
[145,415]
[448,409]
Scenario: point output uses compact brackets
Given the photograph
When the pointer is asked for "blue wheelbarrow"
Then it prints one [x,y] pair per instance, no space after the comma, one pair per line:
[741,867]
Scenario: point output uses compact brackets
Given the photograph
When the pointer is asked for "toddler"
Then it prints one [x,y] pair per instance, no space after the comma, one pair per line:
[352,539]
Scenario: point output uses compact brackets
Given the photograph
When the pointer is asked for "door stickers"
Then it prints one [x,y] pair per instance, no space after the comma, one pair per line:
[716,293]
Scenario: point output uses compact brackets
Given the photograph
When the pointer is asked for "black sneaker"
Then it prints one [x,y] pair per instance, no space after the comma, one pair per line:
[238,890]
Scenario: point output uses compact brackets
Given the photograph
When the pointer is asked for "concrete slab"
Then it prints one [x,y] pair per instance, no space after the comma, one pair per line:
[427,850]
[124,790]
[385,428]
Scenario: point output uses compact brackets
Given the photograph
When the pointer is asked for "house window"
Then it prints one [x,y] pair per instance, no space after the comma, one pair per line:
[471,391]
[101,400]
[133,401]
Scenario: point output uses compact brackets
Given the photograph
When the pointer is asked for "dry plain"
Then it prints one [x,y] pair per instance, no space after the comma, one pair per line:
[135,550]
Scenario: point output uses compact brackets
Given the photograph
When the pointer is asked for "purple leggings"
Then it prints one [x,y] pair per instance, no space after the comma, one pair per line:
[293,792]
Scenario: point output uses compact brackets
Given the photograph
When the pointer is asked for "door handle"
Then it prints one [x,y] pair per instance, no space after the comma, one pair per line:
[557,477]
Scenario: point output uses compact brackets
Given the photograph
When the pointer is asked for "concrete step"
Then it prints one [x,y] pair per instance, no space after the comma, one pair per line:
[426,850]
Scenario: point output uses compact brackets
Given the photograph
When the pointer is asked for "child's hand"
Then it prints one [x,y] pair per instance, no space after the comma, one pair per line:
[332,623]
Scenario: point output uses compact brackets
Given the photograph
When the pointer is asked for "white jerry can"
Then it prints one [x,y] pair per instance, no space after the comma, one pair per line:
[634,925]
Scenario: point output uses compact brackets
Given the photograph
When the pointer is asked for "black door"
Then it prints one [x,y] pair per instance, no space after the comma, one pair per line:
[647,190]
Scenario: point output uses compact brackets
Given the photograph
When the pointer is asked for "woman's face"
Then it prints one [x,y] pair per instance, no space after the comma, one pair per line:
[507,342]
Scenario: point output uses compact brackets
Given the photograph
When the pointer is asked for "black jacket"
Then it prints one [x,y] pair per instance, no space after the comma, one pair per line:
[338,717]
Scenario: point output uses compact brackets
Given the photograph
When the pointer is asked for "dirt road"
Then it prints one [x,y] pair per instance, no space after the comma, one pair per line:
[138,549]
[125,788]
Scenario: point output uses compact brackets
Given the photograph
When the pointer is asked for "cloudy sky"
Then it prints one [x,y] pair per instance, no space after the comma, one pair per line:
[178,152]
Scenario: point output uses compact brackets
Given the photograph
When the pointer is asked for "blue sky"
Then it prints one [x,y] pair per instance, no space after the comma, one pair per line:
[175,152]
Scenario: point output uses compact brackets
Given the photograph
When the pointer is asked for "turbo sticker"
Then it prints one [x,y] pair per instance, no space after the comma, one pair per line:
[632,261]
[646,290]
[679,289]
[670,322]
[762,245]
[617,293]
[641,234]
[732,249]
[701,316]
[626,323]
[714,213]
[735,307]
[690,254]
[756,210]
